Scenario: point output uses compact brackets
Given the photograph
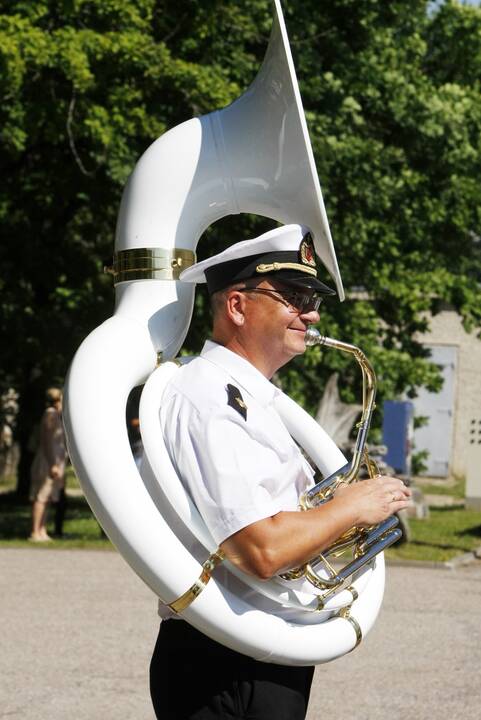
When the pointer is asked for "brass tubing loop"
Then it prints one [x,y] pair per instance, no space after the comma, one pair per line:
[363,543]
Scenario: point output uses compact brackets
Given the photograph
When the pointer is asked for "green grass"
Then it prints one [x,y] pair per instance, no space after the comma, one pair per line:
[448,532]
[81,530]
[7,483]
[456,489]
[71,480]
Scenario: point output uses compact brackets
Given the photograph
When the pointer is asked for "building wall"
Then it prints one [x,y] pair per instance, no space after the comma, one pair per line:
[447,329]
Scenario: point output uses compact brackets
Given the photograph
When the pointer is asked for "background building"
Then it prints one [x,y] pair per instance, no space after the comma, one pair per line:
[454,414]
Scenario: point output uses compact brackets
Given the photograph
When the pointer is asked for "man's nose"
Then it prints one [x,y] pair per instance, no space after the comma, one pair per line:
[310,316]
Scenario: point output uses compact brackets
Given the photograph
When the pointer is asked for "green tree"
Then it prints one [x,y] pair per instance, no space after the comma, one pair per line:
[85,87]
[392,99]
[398,150]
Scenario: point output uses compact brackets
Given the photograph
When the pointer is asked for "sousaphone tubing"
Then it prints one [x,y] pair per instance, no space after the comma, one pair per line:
[251,157]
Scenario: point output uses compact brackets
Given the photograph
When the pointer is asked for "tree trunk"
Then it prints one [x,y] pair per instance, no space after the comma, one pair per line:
[30,410]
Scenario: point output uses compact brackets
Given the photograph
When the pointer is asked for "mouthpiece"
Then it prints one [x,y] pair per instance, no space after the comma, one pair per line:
[313,337]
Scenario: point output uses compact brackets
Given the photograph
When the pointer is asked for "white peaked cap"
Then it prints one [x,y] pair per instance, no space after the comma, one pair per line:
[285,252]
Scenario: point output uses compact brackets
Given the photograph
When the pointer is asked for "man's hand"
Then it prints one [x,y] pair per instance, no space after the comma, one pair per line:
[288,539]
[54,472]
[375,499]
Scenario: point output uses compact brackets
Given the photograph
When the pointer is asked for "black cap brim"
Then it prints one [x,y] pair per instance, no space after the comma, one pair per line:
[301,280]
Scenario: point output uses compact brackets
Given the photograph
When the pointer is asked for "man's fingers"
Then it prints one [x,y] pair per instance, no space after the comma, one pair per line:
[394,497]
[394,485]
[399,505]
[398,493]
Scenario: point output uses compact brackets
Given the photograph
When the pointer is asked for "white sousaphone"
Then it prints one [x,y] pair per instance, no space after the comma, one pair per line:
[253,156]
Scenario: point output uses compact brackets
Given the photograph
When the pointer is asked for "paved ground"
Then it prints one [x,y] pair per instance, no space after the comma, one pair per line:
[78,628]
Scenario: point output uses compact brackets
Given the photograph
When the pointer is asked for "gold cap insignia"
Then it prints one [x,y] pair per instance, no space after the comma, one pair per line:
[306,251]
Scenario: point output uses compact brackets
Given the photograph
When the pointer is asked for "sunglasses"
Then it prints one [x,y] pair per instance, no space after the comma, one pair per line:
[297,300]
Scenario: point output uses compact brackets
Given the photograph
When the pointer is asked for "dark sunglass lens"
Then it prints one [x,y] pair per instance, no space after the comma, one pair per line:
[295,299]
[305,302]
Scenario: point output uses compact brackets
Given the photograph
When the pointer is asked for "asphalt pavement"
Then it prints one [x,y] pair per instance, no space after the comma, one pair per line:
[78,628]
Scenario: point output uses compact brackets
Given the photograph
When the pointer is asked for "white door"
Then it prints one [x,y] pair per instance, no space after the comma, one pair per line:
[437,435]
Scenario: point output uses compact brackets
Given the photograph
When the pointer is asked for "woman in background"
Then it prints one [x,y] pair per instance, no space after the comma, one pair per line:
[48,467]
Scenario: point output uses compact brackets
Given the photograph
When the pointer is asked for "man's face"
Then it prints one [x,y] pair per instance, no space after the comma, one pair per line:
[277,327]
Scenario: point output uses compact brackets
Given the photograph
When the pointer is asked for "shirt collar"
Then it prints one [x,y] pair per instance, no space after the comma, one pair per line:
[241,370]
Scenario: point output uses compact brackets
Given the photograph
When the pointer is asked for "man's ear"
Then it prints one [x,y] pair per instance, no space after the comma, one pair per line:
[236,302]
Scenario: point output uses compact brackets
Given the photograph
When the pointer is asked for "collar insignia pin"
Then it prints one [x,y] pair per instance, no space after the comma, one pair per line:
[236,401]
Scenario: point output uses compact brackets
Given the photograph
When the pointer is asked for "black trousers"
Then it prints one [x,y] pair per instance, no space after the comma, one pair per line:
[195,678]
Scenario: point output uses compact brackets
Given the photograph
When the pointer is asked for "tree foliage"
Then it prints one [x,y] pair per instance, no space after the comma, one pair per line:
[392,96]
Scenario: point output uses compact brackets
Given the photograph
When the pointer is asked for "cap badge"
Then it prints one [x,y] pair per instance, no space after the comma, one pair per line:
[306,251]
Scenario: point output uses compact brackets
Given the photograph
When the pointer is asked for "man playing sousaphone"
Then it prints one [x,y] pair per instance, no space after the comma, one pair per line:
[245,473]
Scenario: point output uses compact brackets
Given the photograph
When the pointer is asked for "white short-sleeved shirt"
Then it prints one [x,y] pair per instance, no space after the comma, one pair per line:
[235,456]
[237,469]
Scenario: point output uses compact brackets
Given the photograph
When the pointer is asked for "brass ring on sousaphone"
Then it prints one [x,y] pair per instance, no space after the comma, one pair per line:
[253,156]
